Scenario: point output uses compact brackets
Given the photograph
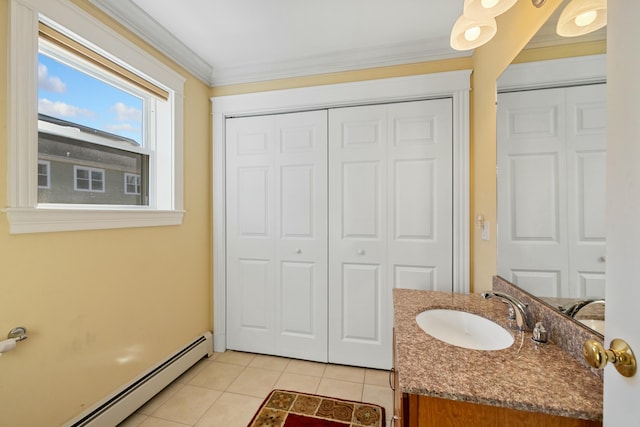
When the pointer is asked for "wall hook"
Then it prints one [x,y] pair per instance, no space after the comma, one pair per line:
[18,333]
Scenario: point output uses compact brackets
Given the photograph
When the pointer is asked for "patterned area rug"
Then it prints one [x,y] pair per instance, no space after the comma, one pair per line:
[292,409]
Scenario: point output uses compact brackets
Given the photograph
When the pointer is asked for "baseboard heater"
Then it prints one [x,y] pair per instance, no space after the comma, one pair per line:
[124,402]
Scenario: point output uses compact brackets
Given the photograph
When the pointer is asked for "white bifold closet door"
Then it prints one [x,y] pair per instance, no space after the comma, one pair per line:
[321,226]
[277,234]
[390,219]
[551,190]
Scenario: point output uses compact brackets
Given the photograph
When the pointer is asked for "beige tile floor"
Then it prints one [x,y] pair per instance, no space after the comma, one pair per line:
[226,389]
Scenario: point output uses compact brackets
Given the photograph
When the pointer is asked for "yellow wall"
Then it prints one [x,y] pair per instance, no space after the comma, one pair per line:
[103,306]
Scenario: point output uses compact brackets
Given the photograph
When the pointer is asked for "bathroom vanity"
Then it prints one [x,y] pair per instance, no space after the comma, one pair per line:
[525,384]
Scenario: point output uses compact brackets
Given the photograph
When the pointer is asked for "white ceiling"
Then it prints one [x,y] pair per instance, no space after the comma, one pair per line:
[235,41]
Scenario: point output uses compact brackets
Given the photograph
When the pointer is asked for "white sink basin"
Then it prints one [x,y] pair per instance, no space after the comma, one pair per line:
[464,329]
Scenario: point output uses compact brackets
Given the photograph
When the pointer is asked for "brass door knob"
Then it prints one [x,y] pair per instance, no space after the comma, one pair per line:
[619,354]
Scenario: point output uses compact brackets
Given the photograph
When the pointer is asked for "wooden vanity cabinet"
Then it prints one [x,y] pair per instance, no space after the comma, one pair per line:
[425,411]
[411,410]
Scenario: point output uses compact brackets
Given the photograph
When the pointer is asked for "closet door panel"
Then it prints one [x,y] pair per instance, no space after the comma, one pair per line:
[277,235]
[360,200]
[360,324]
[297,202]
[586,178]
[253,287]
[532,207]
[420,154]
[298,299]
[301,235]
[251,254]
[361,293]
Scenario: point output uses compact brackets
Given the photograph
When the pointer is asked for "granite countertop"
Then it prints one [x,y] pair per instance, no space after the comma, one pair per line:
[525,376]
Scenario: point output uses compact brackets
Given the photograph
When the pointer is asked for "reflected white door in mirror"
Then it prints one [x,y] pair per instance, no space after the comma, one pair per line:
[551,190]
[551,132]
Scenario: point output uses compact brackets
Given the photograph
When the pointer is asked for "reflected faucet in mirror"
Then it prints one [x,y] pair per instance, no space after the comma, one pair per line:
[572,309]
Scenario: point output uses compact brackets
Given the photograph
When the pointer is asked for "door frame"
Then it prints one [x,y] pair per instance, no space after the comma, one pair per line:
[452,84]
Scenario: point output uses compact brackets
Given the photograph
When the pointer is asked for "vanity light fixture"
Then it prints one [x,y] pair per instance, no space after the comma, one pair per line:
[477,25]
[582,17]
[470,33]
[477,9]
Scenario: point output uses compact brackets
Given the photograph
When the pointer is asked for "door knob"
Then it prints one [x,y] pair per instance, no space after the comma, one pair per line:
[619,354]
[360,251]
[298,251]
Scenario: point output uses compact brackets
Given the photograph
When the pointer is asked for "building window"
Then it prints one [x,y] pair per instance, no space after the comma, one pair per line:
[103,104]
[88,179]
[131,183]
[44,174]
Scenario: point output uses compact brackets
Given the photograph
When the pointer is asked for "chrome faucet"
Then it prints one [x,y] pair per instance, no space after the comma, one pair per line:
[572,309]
[523,321]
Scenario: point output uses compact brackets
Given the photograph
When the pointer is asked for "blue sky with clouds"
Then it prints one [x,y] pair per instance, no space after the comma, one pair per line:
[71,95]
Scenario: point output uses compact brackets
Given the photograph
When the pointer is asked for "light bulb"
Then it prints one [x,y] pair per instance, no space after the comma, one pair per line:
[488,4]
[472,34]
[586,18]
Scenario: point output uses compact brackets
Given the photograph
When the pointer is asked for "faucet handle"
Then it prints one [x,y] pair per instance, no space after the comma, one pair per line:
[540,333]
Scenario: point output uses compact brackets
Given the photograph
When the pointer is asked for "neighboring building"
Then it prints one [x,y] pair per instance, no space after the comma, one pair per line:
[82,165]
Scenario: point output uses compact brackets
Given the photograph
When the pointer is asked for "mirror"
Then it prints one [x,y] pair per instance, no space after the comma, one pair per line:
[551,150]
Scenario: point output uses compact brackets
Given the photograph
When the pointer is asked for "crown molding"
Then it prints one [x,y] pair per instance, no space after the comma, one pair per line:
[346,60]
[148,29]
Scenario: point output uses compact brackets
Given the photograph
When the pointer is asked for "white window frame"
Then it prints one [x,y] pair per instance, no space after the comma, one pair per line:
[136,177]
[24,213]
[46,163]
[90,171]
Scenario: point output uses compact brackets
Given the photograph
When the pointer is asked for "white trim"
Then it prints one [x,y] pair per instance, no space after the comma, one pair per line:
[553,73]
[455,84]
[23,87]
[339,61]
[144,26]
[461,193]
[22,190]
[67,219]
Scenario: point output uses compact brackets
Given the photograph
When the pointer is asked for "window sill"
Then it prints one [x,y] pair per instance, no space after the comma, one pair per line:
[39,220]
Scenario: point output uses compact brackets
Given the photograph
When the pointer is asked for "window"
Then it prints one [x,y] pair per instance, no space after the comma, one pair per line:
[105,129]
[131,183]
[109,117]
[88,179]
[44,177]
